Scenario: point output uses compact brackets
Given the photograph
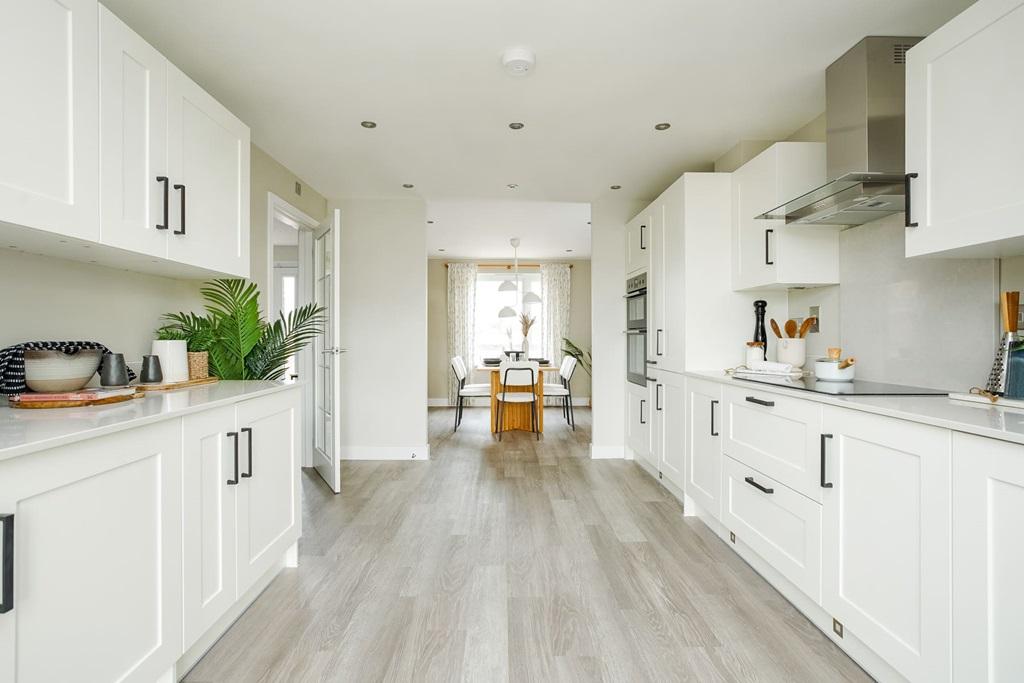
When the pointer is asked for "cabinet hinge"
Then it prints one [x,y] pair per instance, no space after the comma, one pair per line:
[837,627]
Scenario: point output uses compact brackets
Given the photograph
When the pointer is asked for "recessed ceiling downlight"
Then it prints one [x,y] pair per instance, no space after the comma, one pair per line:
[518,61]
[368,124]
[408,186]
[512,186]
[662,126]
[616,187]
[516,125]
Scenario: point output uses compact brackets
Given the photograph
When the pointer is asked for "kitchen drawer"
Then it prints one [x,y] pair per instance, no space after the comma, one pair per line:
[776,522]
[776,435]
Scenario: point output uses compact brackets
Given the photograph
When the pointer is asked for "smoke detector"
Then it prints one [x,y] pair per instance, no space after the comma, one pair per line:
[518,61]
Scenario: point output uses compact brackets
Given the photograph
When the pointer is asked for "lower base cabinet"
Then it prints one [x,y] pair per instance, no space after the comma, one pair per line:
[96,559]
[703,476]
[886,538]
[988,553]
[638,423]
[669,427]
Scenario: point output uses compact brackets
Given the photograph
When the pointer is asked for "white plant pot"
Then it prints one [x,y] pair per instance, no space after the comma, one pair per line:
[173,359]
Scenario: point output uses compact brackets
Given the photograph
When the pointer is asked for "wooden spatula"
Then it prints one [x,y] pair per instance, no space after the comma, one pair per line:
[1009,302]
[775,328]
[791,328]
[806,326]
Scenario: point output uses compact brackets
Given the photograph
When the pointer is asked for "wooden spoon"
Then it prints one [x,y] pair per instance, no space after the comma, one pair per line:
[806,326]
[834,352]
[791,329]
[847,363]
[775,329]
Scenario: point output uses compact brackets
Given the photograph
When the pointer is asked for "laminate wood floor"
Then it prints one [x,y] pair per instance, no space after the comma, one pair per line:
[520,561]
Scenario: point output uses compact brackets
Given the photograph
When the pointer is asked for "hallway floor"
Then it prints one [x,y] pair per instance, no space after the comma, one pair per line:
[522,561]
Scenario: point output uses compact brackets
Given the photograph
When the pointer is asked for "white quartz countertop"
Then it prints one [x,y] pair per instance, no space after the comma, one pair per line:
[24,431]
[1006,424]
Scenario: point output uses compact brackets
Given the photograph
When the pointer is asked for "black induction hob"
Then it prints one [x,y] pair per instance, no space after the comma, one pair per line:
[855,388]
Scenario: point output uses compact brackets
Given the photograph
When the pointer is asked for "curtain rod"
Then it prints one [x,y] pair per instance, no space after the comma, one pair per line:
[506,266]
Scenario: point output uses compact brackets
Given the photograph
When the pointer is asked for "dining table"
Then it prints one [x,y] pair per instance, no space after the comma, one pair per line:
[516,415]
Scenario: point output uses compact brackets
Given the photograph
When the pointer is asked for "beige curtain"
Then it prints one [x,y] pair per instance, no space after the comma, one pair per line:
[461,314]
[555,289]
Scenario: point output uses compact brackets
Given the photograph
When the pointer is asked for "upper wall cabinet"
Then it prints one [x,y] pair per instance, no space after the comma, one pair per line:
[638,241]
[965,105]
[768,253]
[48,120]
[107,144]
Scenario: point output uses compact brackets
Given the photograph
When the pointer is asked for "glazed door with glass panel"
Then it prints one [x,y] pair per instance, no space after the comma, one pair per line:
[327,435]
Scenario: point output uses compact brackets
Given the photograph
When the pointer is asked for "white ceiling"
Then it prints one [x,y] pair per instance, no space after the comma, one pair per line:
[304,74]
[481,229]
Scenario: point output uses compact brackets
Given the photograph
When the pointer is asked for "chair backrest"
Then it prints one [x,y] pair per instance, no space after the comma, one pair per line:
[459,368]
[568,367]
[518,373]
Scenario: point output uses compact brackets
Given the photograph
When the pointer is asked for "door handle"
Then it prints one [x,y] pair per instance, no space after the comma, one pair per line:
[167,198]
[767,260]
[643,402]
[824,484]
[760,402]
[248,431]
[657,342]
[181,189]
[750,480]
[234,482]
[657,396]
[642,245]
[906,198]
[713,404]
[7,558]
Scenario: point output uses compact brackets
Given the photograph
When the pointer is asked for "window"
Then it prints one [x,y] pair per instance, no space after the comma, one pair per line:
[492,334]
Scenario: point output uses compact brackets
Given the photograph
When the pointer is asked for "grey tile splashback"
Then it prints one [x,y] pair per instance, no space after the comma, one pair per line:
[923,322]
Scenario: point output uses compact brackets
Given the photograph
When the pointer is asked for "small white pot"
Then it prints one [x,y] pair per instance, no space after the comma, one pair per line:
[792,351]
[173,359]
[828,370]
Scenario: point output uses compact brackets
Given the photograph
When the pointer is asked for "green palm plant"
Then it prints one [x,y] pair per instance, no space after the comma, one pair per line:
[240,343]
[583,358]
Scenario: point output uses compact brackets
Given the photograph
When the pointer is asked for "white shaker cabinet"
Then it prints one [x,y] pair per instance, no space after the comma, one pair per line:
[669,426]
[208,157]
[965,105]
[988,553]
[768,253]
[49,153]
[135,195]
[96,559]
[638,423]
[703,475]
[886,538]
[638,240]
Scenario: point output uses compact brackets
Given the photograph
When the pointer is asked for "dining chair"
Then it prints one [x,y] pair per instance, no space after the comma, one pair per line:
[465,390]
[518,373]
[563,389]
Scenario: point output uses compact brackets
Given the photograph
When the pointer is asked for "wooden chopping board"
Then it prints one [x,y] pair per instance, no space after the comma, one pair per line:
[75,404]
[171,386]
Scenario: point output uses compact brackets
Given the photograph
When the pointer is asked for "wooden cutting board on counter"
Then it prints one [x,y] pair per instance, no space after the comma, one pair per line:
[172,386]
[33,405]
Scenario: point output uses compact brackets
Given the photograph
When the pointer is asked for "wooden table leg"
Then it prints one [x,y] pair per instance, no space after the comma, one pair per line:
[495,385]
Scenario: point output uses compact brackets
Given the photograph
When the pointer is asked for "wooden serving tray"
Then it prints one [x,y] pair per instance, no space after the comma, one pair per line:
[75,404]
[172,386]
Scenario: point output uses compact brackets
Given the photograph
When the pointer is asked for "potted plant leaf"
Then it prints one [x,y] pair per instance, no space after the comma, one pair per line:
[583,358]
[239,342]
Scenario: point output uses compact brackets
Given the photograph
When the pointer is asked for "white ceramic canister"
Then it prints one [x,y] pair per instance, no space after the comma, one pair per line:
[173,355]
[754,354]
[791,351]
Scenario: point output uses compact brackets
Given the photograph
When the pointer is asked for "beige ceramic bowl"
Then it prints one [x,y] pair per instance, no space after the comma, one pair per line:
[56,371]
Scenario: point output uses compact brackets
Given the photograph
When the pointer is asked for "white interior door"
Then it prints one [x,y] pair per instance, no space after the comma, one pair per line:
[327,378]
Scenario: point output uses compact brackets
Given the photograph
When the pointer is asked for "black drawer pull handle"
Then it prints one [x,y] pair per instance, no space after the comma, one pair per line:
[713,404]
[234,482]
[7,602]
[642,404]
[657,396]
[750,480]
[760,402]
[657,343]
[642,245]
[767,261]
[824,484]
[248,431]
[181,189]
[167,198]
[906,193]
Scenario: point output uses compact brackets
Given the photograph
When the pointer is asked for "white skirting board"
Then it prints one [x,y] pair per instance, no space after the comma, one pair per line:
[420,452]
[607,452]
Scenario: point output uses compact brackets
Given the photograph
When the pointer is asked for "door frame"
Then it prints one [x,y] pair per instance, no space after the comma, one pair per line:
[280,209]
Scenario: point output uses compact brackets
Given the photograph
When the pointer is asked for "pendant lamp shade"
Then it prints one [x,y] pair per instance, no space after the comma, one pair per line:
[507,286]
[531,298]
[507,312]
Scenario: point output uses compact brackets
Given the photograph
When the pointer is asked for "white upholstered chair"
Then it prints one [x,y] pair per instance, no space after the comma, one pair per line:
[518,373]
[563,389]
[466,390]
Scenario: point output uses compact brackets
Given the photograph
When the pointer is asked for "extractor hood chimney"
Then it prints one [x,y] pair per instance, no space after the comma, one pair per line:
[864,112]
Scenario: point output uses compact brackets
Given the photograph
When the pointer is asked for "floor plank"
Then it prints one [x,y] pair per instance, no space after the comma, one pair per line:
[514,561]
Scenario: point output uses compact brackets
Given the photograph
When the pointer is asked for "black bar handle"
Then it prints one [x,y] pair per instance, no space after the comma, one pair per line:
[650,379]
[181,189]
[167,198]
[652,362]
[643,402]
[234,482]
[713,404]
[824,484]
[642,245]
[7,600]
[760,402]
[767,261]
[657,343]
[750,480]
[906,195]
[657,396]
[248,431]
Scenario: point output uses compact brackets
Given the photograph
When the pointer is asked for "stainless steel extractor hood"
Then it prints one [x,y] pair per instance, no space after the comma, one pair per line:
[864,113]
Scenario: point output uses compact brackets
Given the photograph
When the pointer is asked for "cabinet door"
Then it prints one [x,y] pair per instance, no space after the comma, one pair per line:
[754,192]
[886,538]
[97,559]
[268,493]
[208,154]
[638,422]
[670,407]
[964,111]
[988,553]
[209,560]
[133,120]
[703,481]
[637,244]
[49,130]
[668,265]
[655,284]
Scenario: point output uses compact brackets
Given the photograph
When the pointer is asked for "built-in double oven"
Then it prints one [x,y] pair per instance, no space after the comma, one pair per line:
[636,329]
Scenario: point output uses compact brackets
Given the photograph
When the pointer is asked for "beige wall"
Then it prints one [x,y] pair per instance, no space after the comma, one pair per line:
[438,370]
[812,131]
[742,152]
